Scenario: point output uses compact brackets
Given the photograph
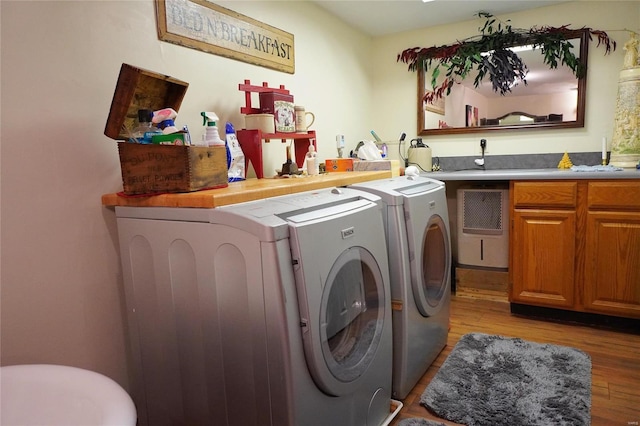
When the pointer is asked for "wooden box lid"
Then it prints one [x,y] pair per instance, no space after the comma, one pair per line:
[140,89]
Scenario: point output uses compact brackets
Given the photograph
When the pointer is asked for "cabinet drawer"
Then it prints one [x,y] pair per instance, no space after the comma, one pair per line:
[545,194]
[618,195]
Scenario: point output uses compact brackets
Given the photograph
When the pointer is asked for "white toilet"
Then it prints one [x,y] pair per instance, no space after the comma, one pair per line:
[51,395]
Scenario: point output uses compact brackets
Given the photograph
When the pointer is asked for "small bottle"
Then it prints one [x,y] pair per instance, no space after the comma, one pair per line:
[145,130]
[313,166]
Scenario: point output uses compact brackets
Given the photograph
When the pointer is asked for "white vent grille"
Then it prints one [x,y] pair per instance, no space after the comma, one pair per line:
[482,212]
[483,227]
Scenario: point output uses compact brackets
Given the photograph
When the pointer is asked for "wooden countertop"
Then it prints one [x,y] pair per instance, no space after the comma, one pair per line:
[247,190]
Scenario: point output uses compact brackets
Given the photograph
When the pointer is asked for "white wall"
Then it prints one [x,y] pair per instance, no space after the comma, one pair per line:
[396,94]
[62,299]
[61,288]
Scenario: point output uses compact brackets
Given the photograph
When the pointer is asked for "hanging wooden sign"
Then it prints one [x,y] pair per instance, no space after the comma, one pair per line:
[205,26]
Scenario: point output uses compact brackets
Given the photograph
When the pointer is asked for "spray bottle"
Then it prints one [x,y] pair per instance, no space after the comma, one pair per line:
[211,136]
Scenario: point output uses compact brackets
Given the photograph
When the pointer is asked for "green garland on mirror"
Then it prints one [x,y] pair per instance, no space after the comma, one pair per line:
[490,54]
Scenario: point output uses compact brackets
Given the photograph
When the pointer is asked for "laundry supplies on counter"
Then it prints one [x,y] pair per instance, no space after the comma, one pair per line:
[211,135]
[235,156]
[145,129]
[165,119]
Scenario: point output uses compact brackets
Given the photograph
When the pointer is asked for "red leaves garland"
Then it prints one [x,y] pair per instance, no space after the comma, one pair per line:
[503,66]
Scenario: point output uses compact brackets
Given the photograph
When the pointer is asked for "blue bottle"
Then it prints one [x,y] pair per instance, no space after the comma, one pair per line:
[235,156]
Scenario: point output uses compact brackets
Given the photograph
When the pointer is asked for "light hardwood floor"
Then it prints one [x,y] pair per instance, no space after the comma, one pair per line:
[615,357]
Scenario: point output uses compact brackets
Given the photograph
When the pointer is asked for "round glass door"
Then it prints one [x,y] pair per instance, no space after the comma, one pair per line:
[351,318]
[436,262]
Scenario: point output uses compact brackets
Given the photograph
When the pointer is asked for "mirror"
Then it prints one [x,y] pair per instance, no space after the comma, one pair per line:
[551,99]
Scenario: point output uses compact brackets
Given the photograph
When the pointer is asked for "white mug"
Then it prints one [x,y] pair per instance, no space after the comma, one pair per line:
[264,122]
[301,119]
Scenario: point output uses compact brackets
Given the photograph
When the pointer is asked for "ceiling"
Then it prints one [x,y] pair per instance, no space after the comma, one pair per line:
[384,17]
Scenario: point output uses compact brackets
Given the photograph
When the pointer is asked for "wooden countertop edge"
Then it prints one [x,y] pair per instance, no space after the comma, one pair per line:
[248,190]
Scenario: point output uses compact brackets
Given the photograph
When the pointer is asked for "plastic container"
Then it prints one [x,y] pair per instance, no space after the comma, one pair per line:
[164,119]
[144,131]
[235,156]
[168,127]
[384,150]
[313,165]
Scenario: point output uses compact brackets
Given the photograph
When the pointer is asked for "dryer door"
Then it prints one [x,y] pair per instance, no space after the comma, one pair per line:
[430,253]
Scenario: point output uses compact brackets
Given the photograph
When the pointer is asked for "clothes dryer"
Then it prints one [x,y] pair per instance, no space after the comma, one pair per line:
[273,312]
[416,224]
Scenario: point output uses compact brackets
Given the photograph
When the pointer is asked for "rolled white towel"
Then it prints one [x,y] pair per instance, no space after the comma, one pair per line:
[607,168]
[411,171]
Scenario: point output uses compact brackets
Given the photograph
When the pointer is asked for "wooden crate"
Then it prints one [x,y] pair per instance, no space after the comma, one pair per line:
[152,169]
[140,89]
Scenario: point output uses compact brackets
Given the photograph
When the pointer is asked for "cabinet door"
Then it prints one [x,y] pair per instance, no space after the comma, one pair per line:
[544,255]
[612,278]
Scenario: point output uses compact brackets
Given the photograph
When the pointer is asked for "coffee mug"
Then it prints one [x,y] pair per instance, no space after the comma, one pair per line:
[284,116]
[301,119]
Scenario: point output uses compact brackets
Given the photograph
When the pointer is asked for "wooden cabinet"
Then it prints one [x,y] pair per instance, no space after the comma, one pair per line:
[575,245]
[543,243]
[544,254]
[612,275]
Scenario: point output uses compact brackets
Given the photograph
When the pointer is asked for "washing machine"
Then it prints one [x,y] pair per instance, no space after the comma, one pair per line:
[270,312]
[416,223]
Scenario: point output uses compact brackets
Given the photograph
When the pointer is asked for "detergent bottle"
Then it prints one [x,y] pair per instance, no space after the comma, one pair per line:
[211,136]
[235,156]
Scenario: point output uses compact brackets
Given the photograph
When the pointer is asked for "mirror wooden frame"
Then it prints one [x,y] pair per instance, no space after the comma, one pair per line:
[583,35]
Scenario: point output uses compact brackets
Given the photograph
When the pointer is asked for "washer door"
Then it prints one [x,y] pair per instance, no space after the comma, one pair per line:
[341,272]
[351,320]
[430,256]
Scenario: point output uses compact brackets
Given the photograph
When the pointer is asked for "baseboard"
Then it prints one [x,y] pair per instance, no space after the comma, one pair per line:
[474,279]
[627,325]
[477,293]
